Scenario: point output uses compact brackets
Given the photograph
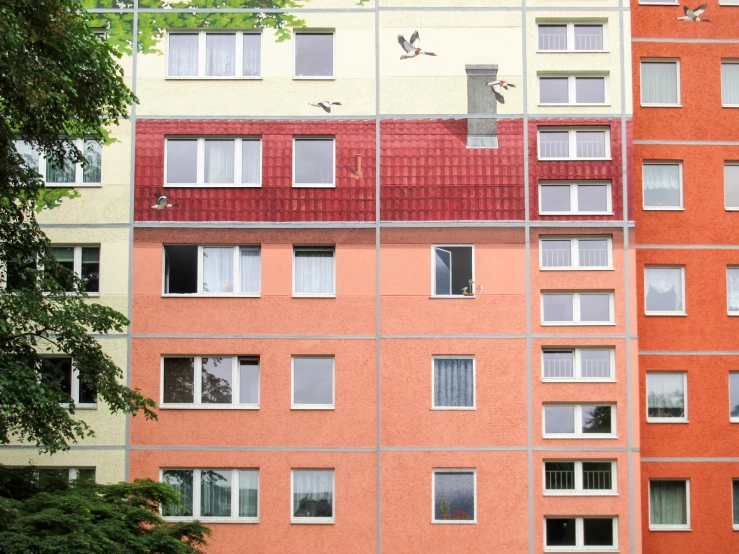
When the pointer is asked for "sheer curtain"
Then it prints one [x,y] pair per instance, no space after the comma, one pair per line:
[181,481]
[251,162]
[314,271]
[313,493]
[664,289]
[666,395]
[28,152]
[219,161]
[183,55]
[730,83]
[220,55]
[248,492]
[731,185]
[218,270]
[250,269]
[735,491]
[659,83]
[93,154]
[252,54]
[668,503]
[732,280]
[215,493]
[454,383]
[60,173]
[661,184]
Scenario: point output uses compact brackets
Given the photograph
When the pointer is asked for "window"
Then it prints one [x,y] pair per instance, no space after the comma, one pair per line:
[590,534]
[577,308]
[212,270]
[572,89]
[587,477]
[60,373]
[664,290]
[575,252]
[453,271]
[573,37]
[562,421]
[577,364]
[83,261]
[735,502]
[313,496]
[313,382]
[663,185]
[734,396]
[213,162]
[210,382]
[660,83]
[214,55]
[314,55]
[314,271]
[68,174]
[669,504]
[731,186]
[730,83]
[214,494]
[584,198]
[454,493]
[667,393]
[49,476]
[560,143]
[453,383]
[314,160]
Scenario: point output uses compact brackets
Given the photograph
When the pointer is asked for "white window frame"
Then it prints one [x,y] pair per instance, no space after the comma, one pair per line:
[198,403]
[74,472]
[433,270]
[729,61]
[684,311]
[572,149]
[579,490]
[330,185]
[676,61]
[238,59]
[75,384]
[574,206]
[305,247]
[78,260]
[293,405]
[78,169]
[196,496]
[435,521]
[577,365]
[308,31]
[578,434]
[659,3]
[661,527]
[580,535]
[572,91]
[576,308]
[734,163]
[575,252]
[679,164]
[433,383]
[571,35]
[732,419]
[728,3]
[236,266]
[200,178]
[683,419]
[312,520]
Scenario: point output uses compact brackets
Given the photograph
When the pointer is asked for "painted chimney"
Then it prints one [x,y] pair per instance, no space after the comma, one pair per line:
[481,133]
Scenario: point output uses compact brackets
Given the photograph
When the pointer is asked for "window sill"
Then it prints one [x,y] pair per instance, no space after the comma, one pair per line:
[299,295]
[609,159]
[663,529]
[454,522]
[313,78]
[581,493]
[214,185]
[83,406]
[203,519]
[734,420]
[662,209]
[214,78]
[453,409]
[312,521]
[732,209]
[452,297]
[576,323]
[206,407]
[667,314]
[576,213]
[581,549]
[314,185]
[580,437]
[575,380]
[72,185]
[662,105]
[306,407]
[541,105]
[659,420]
[214,295]
[579,268]
[573,51]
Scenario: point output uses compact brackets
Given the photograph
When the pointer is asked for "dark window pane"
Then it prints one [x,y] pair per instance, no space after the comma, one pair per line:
[57,370]
[596,419]
[596,476]
[88,395]
[559,476]
[65,256]
[598,531]
[86,475]
[561,531]
[216,380]
[454,495]
[179,376]
[180,269]
[19,274]
[91,268]
[52,478]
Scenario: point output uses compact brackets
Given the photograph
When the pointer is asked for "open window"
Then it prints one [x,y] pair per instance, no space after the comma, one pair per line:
[453,271]
[212,270]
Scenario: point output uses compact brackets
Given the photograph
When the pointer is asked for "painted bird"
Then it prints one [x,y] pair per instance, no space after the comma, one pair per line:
[694,15]
[325,104]
[162,203]
[497,87]
[412,48]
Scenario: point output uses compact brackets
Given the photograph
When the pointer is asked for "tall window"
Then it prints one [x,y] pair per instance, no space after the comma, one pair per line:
[313,382]
[214,270]
[561,252]
[314,55]
[454,496]
[583,198]
[735,502]
[571,534]
[215,55]
[588,477]
[731,186]
[669,504]
[660,83]
[313,496]
[314,271]
[734,396]
[579,421]
[663,185]
[60,373]
[667,396]
[83,261]
[453,271]
[664,290]
[573,37]
[66,174]
[577,308]
[314,162]
[582,364]
[454,383]
[561,143]
[213,162]
[573,89]
[730,83]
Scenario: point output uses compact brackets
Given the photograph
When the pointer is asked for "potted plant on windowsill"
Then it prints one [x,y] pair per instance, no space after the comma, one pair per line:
[444,507]
[461,514]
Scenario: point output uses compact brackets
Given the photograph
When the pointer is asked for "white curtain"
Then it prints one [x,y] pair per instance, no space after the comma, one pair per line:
[219,161]
[251,162]
[183,55]
[218,270]
[664,289]
[591,144]
[248,492]
[313,493]
[250,269]
[661,184]
[668,503]
[215,493]
[454,383]
[730,83]
[735,494]
[659,83]
[28,152]
[181,481]
[732,280]
[314,272]
[93,154]
[731,185]
[666,394]
[220,55]
[252,54]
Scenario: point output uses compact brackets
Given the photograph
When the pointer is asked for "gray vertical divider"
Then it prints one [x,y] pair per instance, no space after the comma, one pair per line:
[378,329]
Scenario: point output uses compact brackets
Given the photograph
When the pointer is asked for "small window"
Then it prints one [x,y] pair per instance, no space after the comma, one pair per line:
[669,504]
[667,400]
[585,198]
[314,55]
[587,477]
[575,253]
[662,185]
[217,162]
[454,383]
[589,534]
[59,372]
[560,143]
[731,186]
[730,83]
[577,308]
[664,290]
[573,37]
[212,270]
[562,421]
[313,383]
[660,83]
[67,174]
[734,396]
[227,55]
[83,261]
[572,90]
[735,502]
[313,496]
[314,162]
[453,271]
[577,364]
[213,495]
[455,496]
[314,271]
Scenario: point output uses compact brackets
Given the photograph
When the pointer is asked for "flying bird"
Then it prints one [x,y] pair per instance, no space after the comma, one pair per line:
[412,48]
[498,87]
[162,203]
[694,14]
[325,104]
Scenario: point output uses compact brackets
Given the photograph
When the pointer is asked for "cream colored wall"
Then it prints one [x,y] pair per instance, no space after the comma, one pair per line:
[109,464]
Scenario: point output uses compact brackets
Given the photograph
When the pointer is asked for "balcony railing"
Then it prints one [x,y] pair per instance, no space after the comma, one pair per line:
[596,480]
[596,369]
[588,41]
[557,257]
[560,480]
[558,369]
[593,257]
